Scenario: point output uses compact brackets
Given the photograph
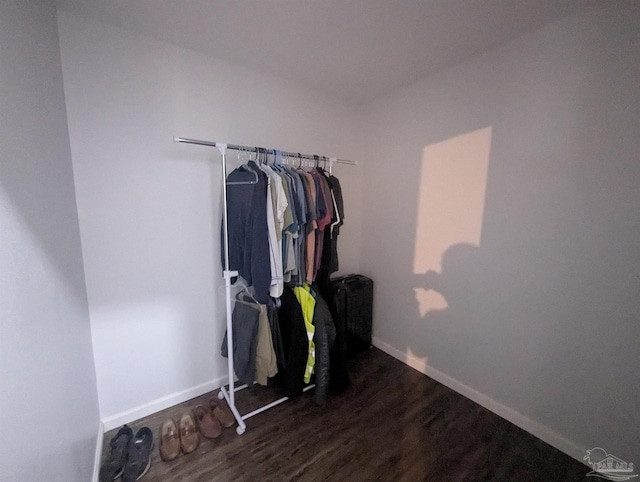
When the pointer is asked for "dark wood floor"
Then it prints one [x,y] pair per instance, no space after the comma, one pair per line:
[393,424]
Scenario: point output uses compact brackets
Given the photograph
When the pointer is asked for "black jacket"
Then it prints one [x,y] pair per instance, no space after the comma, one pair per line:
[323,337]
[294,343]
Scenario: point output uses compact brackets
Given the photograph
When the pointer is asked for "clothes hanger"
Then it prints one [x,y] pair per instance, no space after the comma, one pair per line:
[238,161]
[240,283]
[277,161]
[248,169]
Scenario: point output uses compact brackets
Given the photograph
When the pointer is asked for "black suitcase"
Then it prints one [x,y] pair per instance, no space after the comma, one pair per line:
[353,301]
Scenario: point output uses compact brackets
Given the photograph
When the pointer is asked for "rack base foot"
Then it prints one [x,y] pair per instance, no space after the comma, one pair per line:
[240,429]
[241,426]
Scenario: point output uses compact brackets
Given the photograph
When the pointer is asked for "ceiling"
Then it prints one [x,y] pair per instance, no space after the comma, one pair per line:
[355,50]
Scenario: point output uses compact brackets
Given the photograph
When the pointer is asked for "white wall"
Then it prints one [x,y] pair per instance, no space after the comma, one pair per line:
[540,319]
[48,405]
[150,210]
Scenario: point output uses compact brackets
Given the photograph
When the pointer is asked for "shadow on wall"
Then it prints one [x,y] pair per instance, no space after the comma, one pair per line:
[36,178]
[42,204]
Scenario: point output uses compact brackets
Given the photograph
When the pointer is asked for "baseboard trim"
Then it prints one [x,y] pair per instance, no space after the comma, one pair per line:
[537,429]
[98,454]
[114,421]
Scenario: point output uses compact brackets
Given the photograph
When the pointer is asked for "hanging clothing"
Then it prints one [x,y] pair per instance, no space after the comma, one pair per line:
[308,304]
[330,250]
[244,326]
[295,343]
[324,338]
[266,364]
[325,207]
[248,230]
[276,336]
[311,228]
[275,253]
[300,240]
[284,227]
[283,233]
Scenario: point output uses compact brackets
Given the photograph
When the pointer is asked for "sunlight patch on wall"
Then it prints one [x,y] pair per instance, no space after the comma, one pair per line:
[429,300]
[453,183]
[416,361]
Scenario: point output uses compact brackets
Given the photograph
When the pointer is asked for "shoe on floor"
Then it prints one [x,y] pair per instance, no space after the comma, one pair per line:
[139,455]
[113,467]
[222,412]
[169,440]
[208,425]
[189,436]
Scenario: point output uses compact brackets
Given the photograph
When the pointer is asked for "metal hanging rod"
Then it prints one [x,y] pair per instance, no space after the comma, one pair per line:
[295,155]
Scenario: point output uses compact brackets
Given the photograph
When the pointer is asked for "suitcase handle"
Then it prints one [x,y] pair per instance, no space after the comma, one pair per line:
[350,279]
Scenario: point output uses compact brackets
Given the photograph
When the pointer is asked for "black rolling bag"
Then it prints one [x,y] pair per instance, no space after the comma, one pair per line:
[353,301]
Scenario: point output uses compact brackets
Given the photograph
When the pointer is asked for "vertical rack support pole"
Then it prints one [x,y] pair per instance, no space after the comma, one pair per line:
[227,284]
[227,279]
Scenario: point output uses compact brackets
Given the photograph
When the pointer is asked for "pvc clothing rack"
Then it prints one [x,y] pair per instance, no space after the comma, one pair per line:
[229,394]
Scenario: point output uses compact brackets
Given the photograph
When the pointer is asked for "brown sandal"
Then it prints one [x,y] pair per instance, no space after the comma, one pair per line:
[208,425]
[222,412]
[169,440]
[189,436]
